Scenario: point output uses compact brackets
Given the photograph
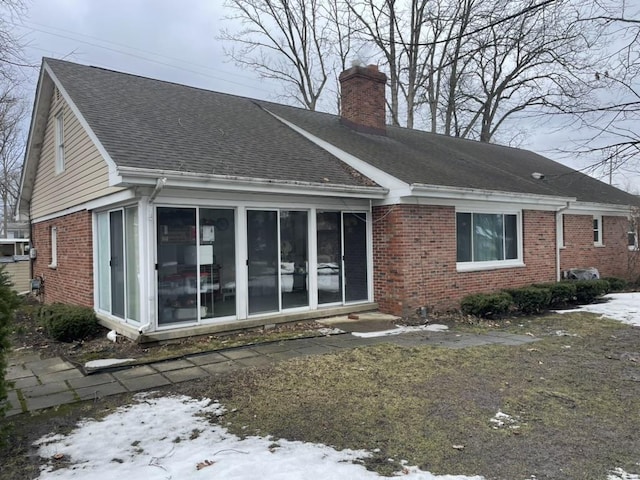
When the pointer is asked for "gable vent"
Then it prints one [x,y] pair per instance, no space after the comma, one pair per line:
[57,94]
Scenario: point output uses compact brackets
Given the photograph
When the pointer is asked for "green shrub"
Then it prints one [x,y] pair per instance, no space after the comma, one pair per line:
[486,305]
[9,301]
[562,293]
[616,284]
[68,323]
[588,291]
[530,300]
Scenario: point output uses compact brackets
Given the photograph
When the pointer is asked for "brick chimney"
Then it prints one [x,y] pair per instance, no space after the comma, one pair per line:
[362,101]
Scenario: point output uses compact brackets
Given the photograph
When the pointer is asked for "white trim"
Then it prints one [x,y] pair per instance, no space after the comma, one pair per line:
[396,187]
[232,183]
[59,142]
[493,264]
[479,266]
[611,210]
[439,193]
[94,138]
[53,243]
[103,202]
[600,241]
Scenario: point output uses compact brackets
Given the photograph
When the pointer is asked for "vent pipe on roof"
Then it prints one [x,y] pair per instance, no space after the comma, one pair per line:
[362,102]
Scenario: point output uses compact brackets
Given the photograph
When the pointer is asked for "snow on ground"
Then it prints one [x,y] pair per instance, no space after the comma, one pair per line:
[402,329]
[168,437]
[624,307]
[620,474]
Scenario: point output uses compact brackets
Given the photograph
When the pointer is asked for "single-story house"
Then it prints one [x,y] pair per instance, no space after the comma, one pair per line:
[174,210]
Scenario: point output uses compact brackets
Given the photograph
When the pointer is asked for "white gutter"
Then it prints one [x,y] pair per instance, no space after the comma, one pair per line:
[176,179]
[476,194]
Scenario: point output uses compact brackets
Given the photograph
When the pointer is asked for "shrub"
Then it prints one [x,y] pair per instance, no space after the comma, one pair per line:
[9,301]
[486,305]
[68,323]
[588,291]
[616,284]
[562,293]
[532,299]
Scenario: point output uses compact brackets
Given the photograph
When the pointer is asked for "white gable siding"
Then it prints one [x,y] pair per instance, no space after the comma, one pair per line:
[85,176]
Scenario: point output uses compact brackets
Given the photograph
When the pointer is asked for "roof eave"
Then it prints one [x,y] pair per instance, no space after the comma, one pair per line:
[475,194]
[131,176]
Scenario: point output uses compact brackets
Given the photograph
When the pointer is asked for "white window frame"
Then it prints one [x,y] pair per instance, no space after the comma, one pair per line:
[54,247]
[59,142]
[599,241]
[494,264]
[632,230]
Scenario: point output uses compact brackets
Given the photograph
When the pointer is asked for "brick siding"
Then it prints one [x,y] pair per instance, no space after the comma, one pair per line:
[72,280]
[415,259]
[612,259]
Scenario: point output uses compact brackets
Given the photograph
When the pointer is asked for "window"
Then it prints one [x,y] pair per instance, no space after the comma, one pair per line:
[597,230]
[632,235]
[54,247]
[486,237]
[59,133]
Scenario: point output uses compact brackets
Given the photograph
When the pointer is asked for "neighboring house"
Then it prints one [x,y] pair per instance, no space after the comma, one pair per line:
[174,210]
[14,257]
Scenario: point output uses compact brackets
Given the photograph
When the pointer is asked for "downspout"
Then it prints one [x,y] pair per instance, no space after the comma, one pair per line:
[558,246]
[160,183]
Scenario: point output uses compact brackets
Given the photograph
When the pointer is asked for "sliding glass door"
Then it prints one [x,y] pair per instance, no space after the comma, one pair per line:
[118,268]
[196,264]
[342,257]
[278,259]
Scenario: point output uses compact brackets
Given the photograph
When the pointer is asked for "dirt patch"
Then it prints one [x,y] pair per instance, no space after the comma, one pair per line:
[29,336]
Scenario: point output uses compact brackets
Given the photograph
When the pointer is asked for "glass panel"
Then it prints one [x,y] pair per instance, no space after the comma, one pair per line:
[355,257]
[596,230]
[262,242]
[294,259]
[103,257]
[217,263]
[329,228]
[177,265]
[133,263]
[511,236]
[463,237]
[487,240]
[117,263]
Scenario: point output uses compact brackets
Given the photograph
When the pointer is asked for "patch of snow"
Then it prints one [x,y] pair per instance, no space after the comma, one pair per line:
[330,331]
[620,474]
[107,362]
[624,307]
[402,329]
[169,437]
[562,333]
[503,420]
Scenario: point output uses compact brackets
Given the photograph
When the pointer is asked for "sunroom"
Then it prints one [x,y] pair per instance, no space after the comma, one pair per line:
[180,266]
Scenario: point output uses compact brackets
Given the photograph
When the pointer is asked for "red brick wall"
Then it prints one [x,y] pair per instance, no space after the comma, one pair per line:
[613,259]
[362,100]
[415,259]
[72,280]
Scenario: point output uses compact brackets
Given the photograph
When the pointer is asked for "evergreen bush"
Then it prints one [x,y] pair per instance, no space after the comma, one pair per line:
[530,300]
[68,323]
[486,305]
[9,301]
[588,291]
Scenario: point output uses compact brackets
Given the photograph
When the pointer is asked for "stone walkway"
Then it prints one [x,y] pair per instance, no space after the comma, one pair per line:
[37,383]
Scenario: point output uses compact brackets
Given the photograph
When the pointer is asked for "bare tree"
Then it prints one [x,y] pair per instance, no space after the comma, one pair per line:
[12,112]
[612,141]
[285,40]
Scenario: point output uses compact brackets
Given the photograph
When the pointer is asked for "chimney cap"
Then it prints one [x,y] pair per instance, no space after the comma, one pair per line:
[370,71]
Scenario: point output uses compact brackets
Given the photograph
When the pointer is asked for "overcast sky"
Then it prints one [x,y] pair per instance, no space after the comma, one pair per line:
[165,39]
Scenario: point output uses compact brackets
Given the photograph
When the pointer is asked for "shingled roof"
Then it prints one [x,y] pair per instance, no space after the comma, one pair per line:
[152,124]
